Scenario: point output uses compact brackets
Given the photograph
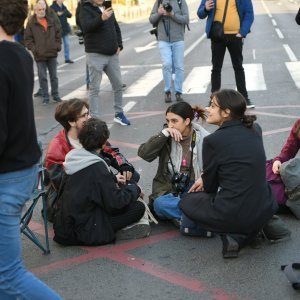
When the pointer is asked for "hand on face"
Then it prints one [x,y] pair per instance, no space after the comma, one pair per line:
[175,134]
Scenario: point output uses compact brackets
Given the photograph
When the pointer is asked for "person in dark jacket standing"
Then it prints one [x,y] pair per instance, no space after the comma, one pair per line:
[94,203]
[238,20]
[103,43]
[19,155]
[43,38]
[63,15]
[236,201]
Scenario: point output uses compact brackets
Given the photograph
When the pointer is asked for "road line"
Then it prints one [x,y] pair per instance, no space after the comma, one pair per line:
[266,8]
[294,69]
[145,84]
[279,33]
[274,22]
[194,45]
[255,80]
[197,81]
[254,54]
[129,106]
[290,52]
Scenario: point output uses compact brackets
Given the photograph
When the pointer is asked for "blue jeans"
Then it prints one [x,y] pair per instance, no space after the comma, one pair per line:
[172,57]
[15,281]
[166,207]
[66,42]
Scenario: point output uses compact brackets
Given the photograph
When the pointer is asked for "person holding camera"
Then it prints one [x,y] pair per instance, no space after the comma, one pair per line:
[94,203]
[170,18]
[232,197]
[179,149]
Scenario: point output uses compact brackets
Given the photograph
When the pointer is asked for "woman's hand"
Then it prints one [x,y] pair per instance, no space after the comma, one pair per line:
[142,194]
[121,178]
[197,186]
[175,134]
[276,167]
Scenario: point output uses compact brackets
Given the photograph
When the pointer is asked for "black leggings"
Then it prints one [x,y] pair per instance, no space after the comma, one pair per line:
[132,214]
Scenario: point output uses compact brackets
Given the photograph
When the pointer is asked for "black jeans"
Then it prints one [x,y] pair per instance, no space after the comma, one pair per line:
[235,48]
[133,213]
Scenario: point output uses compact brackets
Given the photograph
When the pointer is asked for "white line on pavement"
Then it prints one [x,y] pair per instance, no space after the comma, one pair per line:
[274,22]
[194,45]
[290,52]
[279,33]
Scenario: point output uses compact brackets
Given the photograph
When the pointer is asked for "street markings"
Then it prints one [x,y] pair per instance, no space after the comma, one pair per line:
[294,69]
[197,81]
[143,86]
[255,80]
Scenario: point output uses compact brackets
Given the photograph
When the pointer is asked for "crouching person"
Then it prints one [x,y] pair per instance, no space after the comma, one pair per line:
[94,203]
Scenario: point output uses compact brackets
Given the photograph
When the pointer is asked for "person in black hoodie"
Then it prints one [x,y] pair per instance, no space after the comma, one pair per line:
[103,43]
[94,203]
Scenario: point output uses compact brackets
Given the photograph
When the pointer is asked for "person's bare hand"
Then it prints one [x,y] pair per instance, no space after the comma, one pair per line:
[197,186]
[161,10]
[175,134]
[121,179]
[127,175]
[107,14]
[209,4]
[276,167]
[142,194]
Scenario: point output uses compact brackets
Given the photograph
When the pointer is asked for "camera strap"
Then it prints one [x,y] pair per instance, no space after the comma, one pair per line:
[193,144]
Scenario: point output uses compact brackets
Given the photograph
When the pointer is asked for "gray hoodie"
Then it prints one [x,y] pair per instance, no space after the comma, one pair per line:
[78,159]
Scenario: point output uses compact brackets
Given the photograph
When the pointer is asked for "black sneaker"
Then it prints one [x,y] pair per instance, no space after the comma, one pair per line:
[57,99]
[135,231]
[168,97]
[45,101]
[178,97]
[69,61]
[38,94]
[250,104]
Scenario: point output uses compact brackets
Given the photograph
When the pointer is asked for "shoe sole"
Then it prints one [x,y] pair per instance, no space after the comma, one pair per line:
[251,106]
[137,232]
[120,122]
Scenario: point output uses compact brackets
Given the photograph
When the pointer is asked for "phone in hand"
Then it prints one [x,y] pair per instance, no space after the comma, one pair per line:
[107,4]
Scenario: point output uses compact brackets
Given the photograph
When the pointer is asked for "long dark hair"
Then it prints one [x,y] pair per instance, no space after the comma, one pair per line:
[236,103]
[185,110]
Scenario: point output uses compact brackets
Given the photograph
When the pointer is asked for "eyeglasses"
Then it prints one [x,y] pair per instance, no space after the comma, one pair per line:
[85,115]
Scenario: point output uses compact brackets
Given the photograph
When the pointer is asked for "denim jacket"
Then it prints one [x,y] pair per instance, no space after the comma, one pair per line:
[245,11]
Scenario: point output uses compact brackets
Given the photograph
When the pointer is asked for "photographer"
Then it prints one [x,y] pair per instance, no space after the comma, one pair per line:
[170,18]
[179,149]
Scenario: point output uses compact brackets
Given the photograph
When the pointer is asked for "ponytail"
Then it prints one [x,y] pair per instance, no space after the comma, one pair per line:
[248,120]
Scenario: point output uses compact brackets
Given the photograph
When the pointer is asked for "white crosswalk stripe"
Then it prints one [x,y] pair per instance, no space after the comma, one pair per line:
[143,86]
[294,69]
[197,81]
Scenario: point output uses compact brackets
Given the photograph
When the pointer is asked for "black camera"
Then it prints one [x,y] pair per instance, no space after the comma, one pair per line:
[153,31]
[79,33]
[168,7]
[180,181]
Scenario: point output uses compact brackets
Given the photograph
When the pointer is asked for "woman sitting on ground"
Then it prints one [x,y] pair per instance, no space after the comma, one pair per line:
[94,203]
[179,149]
[235,199]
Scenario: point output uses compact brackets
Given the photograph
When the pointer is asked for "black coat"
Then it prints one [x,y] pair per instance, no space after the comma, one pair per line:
[65,26]
[102,37]
[88,197]
[237,197]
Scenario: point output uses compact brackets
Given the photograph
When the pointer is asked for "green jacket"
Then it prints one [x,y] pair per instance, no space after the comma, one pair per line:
[158,146]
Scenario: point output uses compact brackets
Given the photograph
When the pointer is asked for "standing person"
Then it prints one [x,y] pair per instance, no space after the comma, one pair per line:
[238,20]
[63,14]
[236,201]
[43,38]
[171,18]
[103,43]
[179,149]
[19,155]
[95,204]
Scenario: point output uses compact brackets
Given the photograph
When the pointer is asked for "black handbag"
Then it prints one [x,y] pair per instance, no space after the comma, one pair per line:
[217,29]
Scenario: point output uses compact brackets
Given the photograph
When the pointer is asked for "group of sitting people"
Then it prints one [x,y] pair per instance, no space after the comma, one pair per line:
[206,183]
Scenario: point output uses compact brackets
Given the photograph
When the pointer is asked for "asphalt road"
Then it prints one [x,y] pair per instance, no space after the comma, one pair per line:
[167,265]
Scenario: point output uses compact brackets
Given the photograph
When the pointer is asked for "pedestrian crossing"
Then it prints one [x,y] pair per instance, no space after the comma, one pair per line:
[197,79]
